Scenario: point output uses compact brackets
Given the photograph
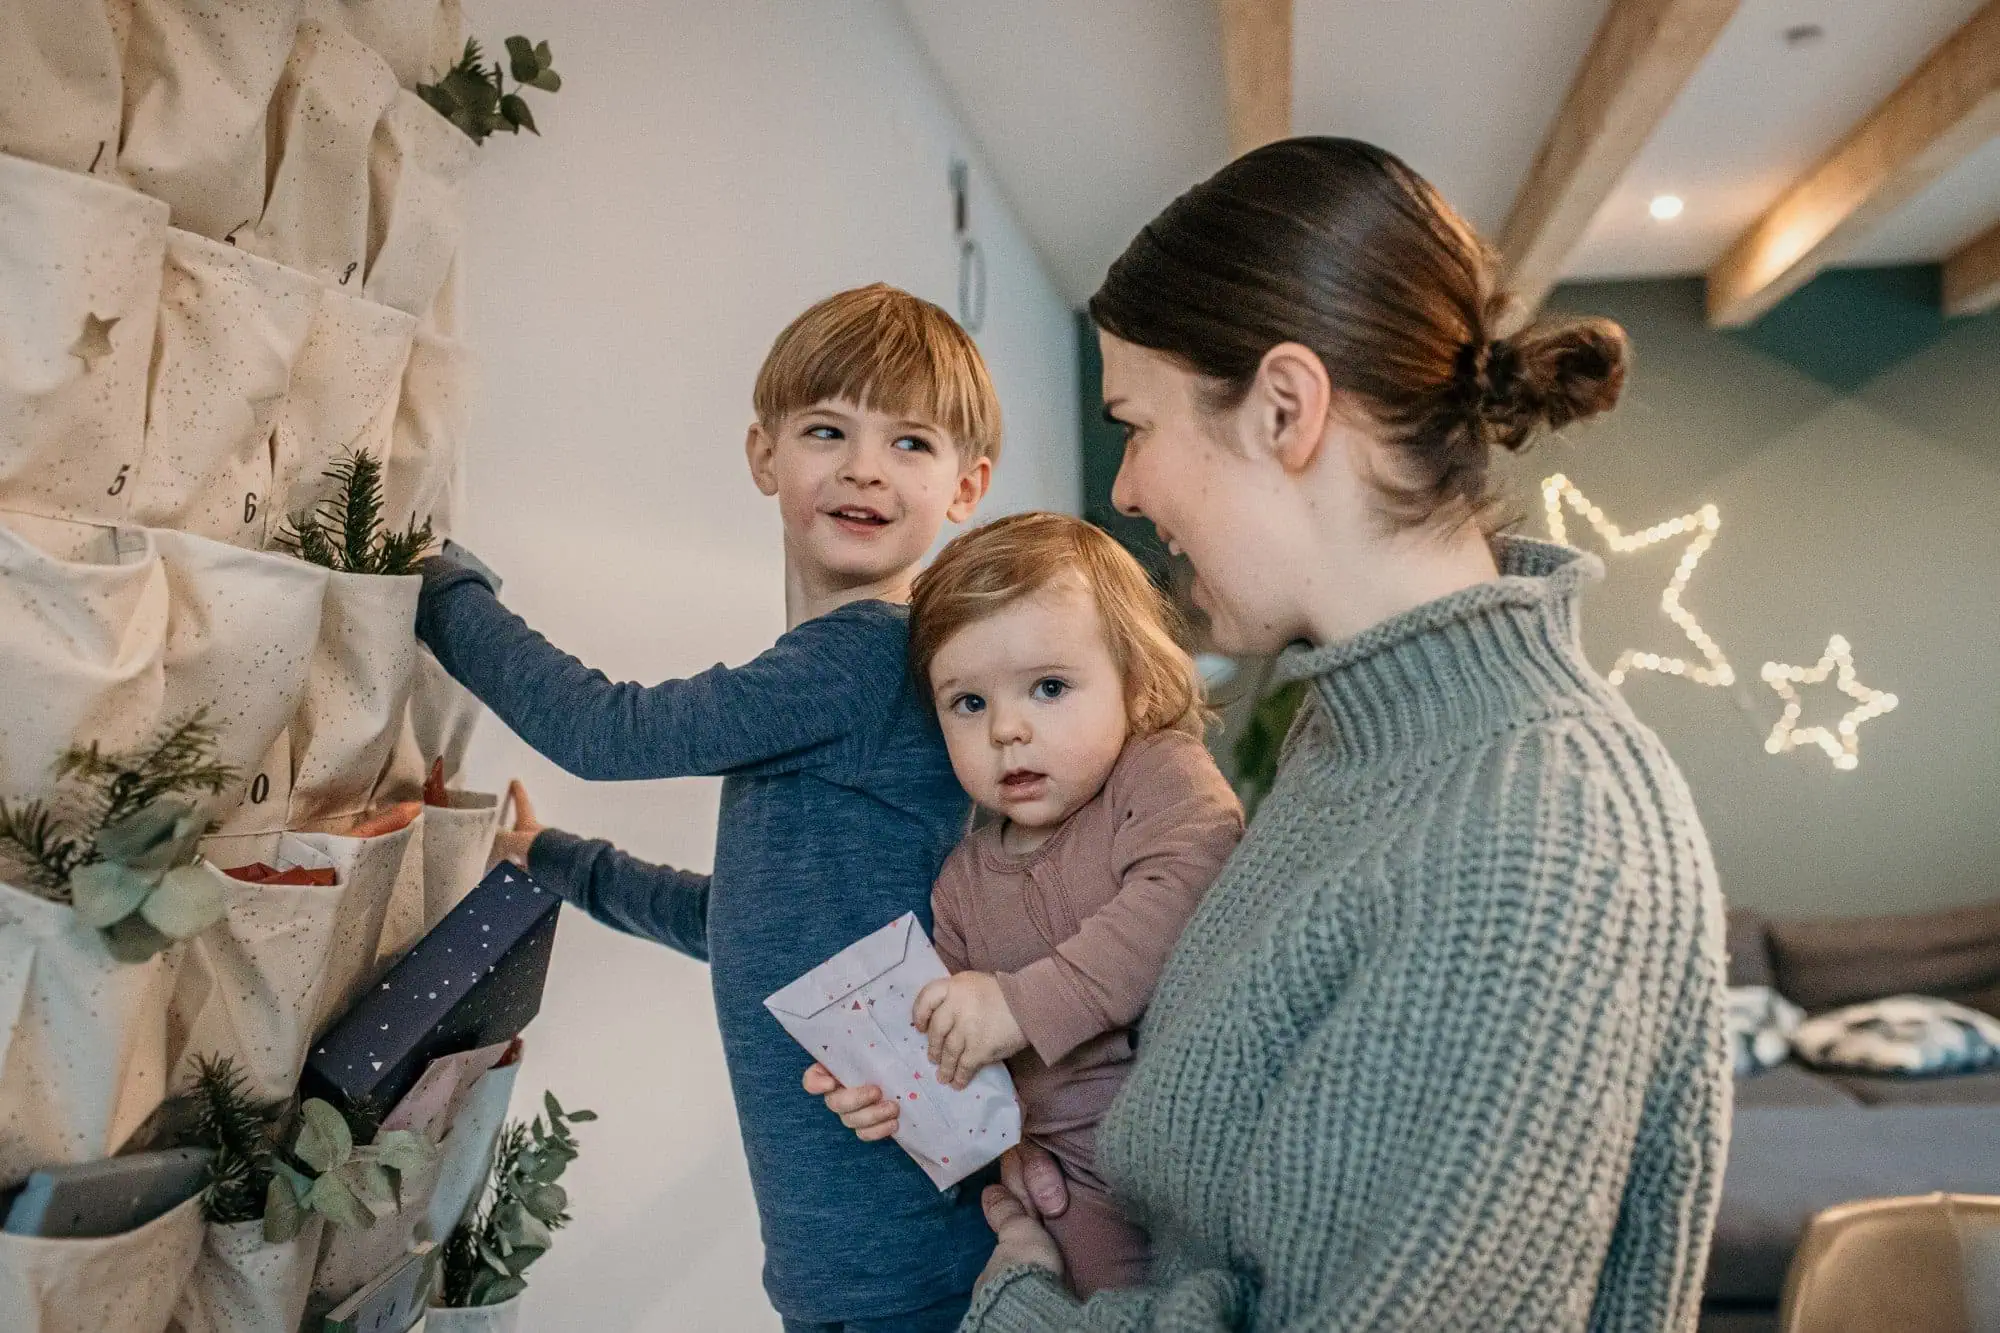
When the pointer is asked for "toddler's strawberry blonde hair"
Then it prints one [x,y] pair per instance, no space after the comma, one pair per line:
[989,568]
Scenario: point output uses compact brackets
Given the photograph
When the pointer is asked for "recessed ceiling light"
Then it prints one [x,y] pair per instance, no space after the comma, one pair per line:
[1665,207]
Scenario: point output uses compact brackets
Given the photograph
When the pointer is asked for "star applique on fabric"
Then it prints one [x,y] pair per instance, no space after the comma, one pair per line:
[1840,743]
[94,341]
[1700,528]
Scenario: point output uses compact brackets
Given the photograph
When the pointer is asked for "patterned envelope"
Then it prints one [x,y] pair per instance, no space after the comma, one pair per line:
[852,1012]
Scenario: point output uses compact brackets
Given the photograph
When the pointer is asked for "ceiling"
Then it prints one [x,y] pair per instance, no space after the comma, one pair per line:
[1095,115]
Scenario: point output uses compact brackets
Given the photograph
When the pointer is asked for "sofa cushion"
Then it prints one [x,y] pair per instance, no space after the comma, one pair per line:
[1761,1023]
[1824,964]
[1786,1164]
[1749,948]
[1913,1035]
[1887,1090]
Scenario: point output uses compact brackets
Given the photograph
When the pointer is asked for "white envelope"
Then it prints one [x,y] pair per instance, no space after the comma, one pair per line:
[853,1014]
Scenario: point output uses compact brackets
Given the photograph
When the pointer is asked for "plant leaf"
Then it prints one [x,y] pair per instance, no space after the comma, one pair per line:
[332,1198]
[142,834]
[402,1150]
[580,1117]
[324,1142]
[188,901]
[371,1184]
[106,892]
[521,60]
[515,109]
[283,1218]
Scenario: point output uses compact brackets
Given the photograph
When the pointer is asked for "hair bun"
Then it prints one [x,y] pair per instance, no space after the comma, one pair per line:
[1552,373]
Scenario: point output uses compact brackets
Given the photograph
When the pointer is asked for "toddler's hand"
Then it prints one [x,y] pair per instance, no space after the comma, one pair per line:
[862,1110]
[512,844]
[969,1024]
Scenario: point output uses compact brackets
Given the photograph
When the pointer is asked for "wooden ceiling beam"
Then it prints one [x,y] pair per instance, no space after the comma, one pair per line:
[1947,108]
[1257,71]
[1972,276]
[1642,56]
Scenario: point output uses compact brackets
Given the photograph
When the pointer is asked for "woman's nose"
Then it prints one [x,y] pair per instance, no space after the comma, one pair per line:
[1124,496]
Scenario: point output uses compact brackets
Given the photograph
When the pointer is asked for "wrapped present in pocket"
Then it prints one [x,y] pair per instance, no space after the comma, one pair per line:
[852,1013]
[243,1283]
[465,1158]
[83,650]
[476,980]
[249,987]
[59,82]
[80,266]
[231,328]
[129,1282]
[322,119]
[198,82]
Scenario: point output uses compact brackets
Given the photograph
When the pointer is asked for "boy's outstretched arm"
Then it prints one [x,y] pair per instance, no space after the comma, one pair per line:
[651,901]
[783,712]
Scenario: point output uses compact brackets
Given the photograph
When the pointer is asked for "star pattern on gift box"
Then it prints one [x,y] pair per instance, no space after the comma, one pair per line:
[1839,743]
[94,341]
[1700,528]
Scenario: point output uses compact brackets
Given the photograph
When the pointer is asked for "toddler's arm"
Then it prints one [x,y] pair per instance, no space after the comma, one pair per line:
[785,711]
[1178,822]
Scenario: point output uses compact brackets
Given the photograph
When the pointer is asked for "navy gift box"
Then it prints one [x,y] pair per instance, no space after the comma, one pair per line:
[476,979]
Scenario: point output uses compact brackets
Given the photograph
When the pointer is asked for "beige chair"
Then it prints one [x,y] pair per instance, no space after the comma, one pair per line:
[1927,1264]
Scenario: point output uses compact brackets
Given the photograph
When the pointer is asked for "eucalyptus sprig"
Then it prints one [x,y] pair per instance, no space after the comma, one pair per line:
[473,95]
[346,533]
[486,1255]
[326,1172]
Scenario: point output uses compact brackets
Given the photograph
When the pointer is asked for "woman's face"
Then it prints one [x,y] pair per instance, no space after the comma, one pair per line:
[1220,504]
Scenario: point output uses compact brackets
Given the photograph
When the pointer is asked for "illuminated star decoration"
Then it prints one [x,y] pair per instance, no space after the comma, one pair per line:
[94,341]
[1703,523]
[1839,744]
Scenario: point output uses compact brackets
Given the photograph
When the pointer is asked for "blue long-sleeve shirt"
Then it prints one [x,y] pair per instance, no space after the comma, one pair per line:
[838,808]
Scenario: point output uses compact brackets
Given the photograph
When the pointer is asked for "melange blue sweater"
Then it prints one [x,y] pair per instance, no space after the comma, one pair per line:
[838,808]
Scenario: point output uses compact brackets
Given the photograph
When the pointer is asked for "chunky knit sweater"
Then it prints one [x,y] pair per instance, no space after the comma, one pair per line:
[1444,1047]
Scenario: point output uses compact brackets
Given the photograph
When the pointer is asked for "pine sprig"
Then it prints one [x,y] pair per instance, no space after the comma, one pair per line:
[39,843]
[239,1132]
[346,533]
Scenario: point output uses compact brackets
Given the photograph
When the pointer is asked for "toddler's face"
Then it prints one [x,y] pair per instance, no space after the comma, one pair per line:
[862,493]
[1033,706]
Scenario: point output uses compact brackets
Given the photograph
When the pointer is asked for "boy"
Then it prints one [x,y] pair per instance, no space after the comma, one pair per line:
[875,423]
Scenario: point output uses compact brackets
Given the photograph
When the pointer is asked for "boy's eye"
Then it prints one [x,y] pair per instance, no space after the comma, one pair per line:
[966,705]
[824,432]
[1049,688]
[915,444]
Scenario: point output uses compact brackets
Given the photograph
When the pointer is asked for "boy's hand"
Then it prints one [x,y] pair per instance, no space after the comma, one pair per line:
[512,844]
[969,1024]
[862,1110]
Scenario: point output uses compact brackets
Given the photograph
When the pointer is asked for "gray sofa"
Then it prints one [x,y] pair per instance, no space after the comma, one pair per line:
[1803,1141]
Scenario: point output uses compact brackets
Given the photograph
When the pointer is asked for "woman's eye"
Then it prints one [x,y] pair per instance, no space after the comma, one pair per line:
[1050,688]
[965,705]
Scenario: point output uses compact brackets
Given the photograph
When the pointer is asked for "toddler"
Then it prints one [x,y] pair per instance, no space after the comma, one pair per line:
[1074,721]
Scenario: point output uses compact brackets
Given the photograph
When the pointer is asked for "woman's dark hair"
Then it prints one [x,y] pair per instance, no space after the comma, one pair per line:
[1339,246]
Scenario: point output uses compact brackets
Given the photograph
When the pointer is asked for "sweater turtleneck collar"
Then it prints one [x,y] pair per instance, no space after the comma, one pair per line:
[1473,662]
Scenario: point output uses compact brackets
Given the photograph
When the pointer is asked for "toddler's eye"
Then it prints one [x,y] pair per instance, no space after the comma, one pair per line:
[966,705]
[1050,688]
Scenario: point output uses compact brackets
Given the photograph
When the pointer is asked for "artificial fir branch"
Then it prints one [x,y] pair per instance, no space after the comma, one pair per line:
[345,534]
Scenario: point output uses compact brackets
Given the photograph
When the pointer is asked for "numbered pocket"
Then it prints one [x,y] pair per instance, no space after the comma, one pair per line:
[59,83]
[342,398]
[83,1039]
[428,436]
[417,173]
[80,264]
[355,692]
[242,630]
[231,328]
[198,80]
[373,872]
[82,653]
[129,1283]
[249,986]
[243,1283]
[332,92]
[267,797]
[420,39]
[458,838]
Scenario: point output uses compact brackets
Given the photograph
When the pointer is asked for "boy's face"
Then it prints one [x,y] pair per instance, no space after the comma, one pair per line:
[862,494]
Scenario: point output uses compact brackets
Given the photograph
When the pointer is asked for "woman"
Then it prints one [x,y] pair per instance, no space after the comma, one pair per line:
[1443,1048]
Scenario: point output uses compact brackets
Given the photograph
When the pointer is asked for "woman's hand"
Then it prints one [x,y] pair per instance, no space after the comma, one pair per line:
[1022,1239]
[863,1109]
[969,1024]
[512,844]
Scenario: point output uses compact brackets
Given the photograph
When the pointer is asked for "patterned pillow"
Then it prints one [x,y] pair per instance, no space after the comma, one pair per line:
[1761,1023]
[1905,1034]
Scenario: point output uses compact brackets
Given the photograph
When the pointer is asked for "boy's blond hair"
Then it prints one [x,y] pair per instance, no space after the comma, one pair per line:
[882,348]
[989,568]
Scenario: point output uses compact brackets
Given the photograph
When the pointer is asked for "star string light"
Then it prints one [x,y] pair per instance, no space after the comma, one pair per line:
[1840,743]
[1703,523]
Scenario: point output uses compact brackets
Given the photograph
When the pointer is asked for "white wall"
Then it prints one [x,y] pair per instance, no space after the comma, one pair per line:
[707,171]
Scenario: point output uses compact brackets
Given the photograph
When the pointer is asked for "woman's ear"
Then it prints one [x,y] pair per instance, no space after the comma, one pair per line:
[1292,399]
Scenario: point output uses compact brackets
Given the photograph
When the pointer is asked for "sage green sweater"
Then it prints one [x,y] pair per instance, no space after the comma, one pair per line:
[1443,1049]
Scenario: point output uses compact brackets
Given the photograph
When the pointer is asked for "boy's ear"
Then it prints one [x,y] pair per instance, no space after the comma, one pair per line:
[972,484]
[761,448]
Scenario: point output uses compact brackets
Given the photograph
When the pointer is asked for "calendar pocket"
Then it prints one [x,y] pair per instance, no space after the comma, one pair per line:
[60,82]
[129,1283]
